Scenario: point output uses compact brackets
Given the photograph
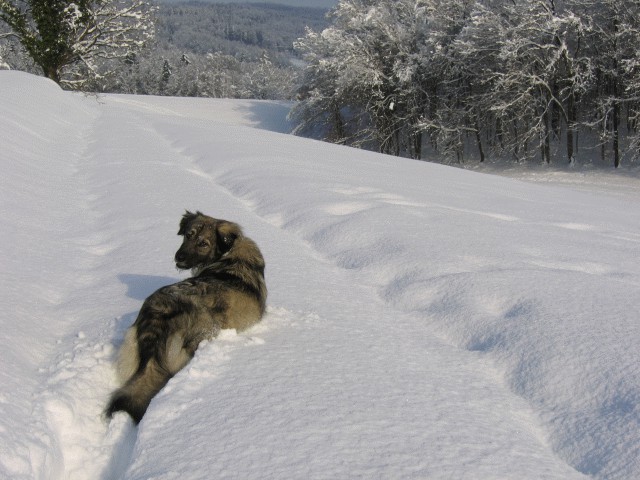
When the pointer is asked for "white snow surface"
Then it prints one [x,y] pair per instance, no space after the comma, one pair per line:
[423,321]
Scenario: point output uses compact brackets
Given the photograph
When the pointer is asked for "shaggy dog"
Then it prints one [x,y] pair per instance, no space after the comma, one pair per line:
[227,290]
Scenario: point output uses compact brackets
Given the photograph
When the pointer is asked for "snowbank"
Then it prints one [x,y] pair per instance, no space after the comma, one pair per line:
[424,321]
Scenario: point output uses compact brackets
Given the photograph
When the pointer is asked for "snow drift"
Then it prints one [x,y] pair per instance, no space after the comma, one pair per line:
[423,321]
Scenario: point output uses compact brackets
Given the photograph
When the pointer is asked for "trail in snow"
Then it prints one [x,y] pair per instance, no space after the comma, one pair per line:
[67,437]
[423,322]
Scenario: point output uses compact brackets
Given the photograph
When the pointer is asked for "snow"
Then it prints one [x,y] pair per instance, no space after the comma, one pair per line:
[424,321]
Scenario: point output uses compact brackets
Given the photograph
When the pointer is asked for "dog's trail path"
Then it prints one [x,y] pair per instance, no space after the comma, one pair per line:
[80,377]
[115,153]
[72,351]
[77,371]
[70,439]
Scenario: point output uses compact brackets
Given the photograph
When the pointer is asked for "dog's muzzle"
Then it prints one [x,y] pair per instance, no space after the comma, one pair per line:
[180,259]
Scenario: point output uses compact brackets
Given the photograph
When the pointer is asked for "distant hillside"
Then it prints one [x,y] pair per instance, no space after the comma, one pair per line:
[203,49]
[235,29]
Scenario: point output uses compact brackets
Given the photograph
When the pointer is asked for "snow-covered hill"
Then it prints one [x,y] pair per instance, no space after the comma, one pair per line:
[424,322]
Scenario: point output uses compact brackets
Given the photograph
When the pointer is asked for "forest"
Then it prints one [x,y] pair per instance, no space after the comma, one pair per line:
[235,28]
[544,80]
[225,51]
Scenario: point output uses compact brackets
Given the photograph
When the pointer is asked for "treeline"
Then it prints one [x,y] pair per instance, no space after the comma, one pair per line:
[222,51]
[240,30]
[198,49]
[527,79]
[171,72]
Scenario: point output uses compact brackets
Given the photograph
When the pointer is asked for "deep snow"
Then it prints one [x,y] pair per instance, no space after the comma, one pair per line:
[424,321]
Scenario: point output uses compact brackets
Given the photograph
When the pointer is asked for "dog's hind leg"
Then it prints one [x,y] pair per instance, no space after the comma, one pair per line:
[128,357]
[177,354]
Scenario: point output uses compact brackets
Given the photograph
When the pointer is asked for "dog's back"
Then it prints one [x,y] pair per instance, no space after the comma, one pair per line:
[227,291]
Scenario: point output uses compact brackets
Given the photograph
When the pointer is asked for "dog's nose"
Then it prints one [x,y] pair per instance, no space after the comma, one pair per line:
[180,256]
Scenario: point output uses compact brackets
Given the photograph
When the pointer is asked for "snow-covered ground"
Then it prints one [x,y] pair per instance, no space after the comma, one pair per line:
[424,321]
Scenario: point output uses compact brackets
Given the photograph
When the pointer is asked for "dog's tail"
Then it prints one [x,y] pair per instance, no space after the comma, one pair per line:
[135,395]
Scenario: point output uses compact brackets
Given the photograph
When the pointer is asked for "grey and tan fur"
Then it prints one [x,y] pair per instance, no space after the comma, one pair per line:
[227,290]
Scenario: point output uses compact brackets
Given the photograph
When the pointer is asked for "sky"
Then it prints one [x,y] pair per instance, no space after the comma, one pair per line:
[293,3]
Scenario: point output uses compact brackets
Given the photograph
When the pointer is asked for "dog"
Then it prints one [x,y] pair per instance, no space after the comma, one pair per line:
[227,290]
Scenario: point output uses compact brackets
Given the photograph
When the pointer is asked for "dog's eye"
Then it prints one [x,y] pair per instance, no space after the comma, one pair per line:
[190,234]
[203,244]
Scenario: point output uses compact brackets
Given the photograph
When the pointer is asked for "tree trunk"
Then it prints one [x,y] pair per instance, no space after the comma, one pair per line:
[52,73]
[479,141]
[338,125]
[571,125]
[546,147]
[416,139]
[616,132]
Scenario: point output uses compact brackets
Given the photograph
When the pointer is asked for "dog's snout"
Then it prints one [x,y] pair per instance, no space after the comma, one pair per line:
[182,259]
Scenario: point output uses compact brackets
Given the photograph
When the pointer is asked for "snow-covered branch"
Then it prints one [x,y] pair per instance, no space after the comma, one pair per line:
[73,41]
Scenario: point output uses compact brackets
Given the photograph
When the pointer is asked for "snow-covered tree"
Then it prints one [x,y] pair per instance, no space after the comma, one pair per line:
[383,65]
[476,61]
[443,83]
[71,40]
[631,69]
[527,57]
[321,102]
[372,67]
[613,47]
[267,80]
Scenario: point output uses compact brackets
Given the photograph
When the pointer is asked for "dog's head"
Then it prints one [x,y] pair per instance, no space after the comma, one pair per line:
[205,240]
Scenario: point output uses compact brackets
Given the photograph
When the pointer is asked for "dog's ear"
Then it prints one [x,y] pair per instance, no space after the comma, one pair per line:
[186,220]
[226,235]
